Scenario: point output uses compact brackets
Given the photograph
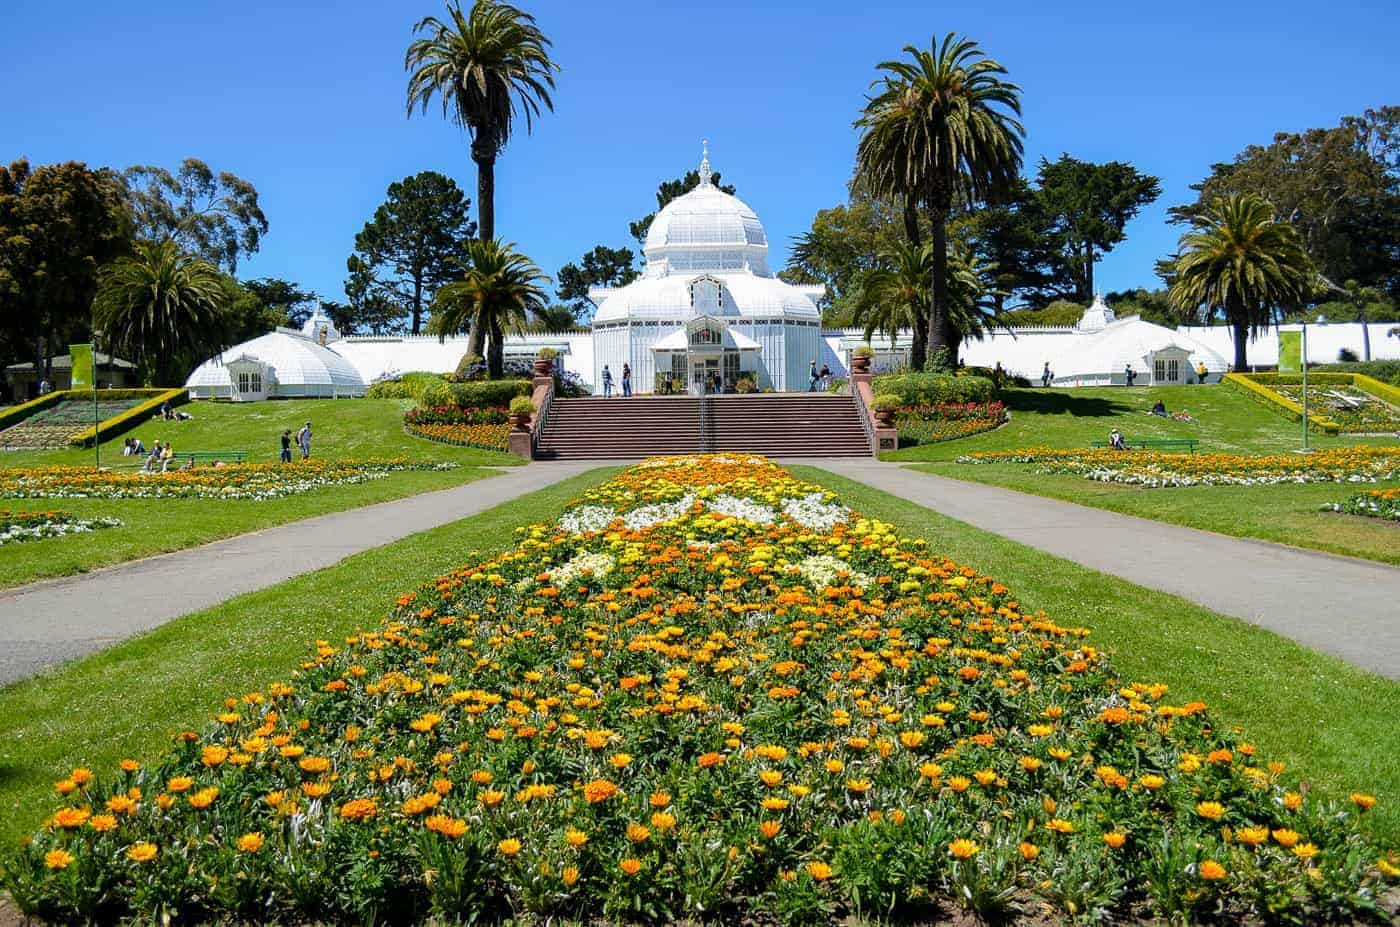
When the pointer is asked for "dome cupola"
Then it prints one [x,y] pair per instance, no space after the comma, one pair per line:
[706,230]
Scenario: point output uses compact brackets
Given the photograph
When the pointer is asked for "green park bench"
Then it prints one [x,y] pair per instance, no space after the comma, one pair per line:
[1188,445]
[208,457]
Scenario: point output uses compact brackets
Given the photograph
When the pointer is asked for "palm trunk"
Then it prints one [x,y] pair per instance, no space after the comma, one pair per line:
[1241,330]
[417,303]
[496,353]
[918,349]
[484,154]
[938,308]
[475,336]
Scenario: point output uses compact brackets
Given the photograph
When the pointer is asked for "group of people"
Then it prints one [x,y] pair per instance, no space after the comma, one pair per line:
[626,381]
[820,378]
[160,458]
[133,447]
[303,440]
[170,414]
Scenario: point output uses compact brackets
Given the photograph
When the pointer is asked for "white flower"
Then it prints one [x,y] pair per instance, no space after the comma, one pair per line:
[811,512]
[822,570]
[597,564]
[743,509]
[587,518]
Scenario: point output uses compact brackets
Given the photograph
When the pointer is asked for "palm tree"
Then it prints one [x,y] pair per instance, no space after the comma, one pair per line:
[496,295]
[488,66]
[894,293]
[554,318]
[942,128]
[972,303]
[161,307]
[1241,261]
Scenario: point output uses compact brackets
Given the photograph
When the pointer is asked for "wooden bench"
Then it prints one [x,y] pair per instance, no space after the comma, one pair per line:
[1188,445]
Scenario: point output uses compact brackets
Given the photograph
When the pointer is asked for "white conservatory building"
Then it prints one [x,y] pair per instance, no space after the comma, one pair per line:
[707,305]
[284,363]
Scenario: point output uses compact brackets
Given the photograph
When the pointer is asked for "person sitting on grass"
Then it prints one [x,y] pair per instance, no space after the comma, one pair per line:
[1159,408]
[1115,440]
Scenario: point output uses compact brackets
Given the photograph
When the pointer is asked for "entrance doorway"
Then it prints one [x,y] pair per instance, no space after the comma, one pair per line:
[703,371]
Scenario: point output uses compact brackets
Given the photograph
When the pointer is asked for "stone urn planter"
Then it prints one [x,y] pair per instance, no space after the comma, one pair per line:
[860,363]
[544,366]
[519,421]
[885,406]
[884,418]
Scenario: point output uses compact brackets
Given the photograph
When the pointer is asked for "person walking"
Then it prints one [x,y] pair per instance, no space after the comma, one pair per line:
[626,380]
[286,445]
[607,382]
[1129,375]
[1046,376]
[826,377]
[304,440]
[1201,373]
[812,372]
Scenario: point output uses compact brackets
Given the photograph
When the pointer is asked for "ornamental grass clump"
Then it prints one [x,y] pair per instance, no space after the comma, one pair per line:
[707,690]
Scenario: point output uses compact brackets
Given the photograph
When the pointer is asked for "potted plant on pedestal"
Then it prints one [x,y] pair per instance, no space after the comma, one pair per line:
[885,406]
[544,361]
[860,358]
[521,409]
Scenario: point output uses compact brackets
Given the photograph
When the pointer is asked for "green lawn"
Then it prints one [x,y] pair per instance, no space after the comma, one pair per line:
[128,700]
[1227,422]
[1333,724]
[342,428]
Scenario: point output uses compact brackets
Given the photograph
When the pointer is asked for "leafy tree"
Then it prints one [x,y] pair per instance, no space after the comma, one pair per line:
[411,246]
[669,190]
[497,293]
[58,224]
[1152,305]
[1056,312]
[365,314]
[941,129]
[603,266]
[246,315]
[1340,187]
[894,294]
[290,304]
[1015,235]
[556,317]
[1243,262]
[1088,206]
[216,217]
[488,67]
[162,308]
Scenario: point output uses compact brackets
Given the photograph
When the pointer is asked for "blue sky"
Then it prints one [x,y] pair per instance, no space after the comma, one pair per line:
[307,102]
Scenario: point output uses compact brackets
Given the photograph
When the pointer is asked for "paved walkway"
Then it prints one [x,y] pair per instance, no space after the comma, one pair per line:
[55,620]
[1338,605]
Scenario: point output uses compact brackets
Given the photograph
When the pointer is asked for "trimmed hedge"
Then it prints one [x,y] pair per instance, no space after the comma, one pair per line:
[932,389]
[1387,371]
[16,414]
[1382,391]
[1247,384]
[137,414]
[476,393]
[407,386]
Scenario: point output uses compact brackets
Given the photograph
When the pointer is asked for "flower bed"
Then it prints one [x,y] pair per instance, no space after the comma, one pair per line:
[1147,468]
[467,427]
[929,424]
[36,526]
[707,690]
[1353,409]
[1375,503]
[239,481]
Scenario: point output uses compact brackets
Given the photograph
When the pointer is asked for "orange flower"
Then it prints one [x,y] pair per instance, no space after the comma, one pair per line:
[819,871]
[706,760]
[251,842]
[1363,801]
[599,790]
[57,859]
[1286,838]
[359,809]
[1212,871]
[770,829]
[71,817]
[963,848]
[630,866]
[1028,851]
[1210,810]
[1115,839]
[509,847]
[446,825]
[142,852]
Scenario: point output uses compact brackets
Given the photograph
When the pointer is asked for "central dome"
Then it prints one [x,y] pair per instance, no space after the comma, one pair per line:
[706,230]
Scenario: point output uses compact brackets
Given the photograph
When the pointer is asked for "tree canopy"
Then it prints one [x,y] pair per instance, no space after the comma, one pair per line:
[411,246]
[213,216]
[603,266]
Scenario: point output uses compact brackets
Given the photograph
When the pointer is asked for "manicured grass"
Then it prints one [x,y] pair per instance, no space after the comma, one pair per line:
[345,428]
[127,701]
[1334,725]
[1227,422]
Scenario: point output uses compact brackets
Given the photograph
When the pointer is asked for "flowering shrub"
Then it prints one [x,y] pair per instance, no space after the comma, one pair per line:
[929,424]
[708,689]
[1376,503]
[237,481]
[468,427]
[35,526]
[1147,468]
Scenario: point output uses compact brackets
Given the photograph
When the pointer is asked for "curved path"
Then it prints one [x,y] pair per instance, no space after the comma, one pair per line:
[55,620]
[1346,607]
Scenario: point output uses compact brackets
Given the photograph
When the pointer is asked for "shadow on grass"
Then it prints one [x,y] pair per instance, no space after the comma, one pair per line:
[1054,402]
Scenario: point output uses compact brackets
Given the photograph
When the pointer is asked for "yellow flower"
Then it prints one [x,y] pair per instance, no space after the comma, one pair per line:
[179,784]
[1028,851]
[770,829]
[1363,801]
[630,866]
[251,842]
[142,852]
[770,777]
[204,797]
[71,817]
[1286,838]
[1030,763]
[1115,839]
[663,820]
[569,875]
[1212,871]
[859,786]
[575,837]
[637,833]
[619,760]
[1151,782]
[446,825]
[1292,801]
[1060,826]
[103,823]
[57,859]
[819,871]
[509,847]
[1305,851]
[1252,836]
[599,790]
[963,848]
[1210,810]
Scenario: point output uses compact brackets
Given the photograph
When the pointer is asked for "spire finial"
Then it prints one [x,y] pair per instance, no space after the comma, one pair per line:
[704,162]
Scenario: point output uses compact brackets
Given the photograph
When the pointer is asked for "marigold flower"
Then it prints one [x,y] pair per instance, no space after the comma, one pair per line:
[1151,781]
[637,833]
[102,823]
[963,848]
[570,875]
[1028,851]
[57,859]
[359,809]
[204,797]
[819,871]
[446,825]
[509,847]
[1060,826]
[1212,871]
[1305,851]
[770,829]
[1115,839]
[251,842]
[142,852]
[630,866]
[575,837]
[1286,838]
[1210,810]
[71,817]
[1252,836]
[663,820]
[179,784]
[599,790]
[1363,801]
[706,760]
[1292,801]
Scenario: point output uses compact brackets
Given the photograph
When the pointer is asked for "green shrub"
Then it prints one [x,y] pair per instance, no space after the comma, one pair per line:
[477,393]
[522,405]
[886,402]
[935,388]
[407,386]
[547,354]
[1387,371]
[19,413]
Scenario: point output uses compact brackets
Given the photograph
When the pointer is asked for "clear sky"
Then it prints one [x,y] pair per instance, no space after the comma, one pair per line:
[306,100]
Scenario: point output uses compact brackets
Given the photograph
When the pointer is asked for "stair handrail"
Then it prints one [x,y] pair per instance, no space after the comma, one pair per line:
[865,419]
[541,418]
[706,438]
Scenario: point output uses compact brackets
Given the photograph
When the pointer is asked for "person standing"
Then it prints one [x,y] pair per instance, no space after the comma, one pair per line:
[626,380]
[607,382]
[304,441]
[826,377]
[1201,373]
[812,372]
[1046,376]
[286,445]
[1129,375]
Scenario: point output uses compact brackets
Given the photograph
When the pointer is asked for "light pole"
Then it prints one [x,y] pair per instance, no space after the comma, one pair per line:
[1305,384]
[96,419]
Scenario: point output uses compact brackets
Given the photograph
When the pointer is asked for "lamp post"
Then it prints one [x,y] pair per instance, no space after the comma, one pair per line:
[96,419]
[1304,363]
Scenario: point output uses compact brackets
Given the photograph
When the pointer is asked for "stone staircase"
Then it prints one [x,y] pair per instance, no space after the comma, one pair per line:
[775,424]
